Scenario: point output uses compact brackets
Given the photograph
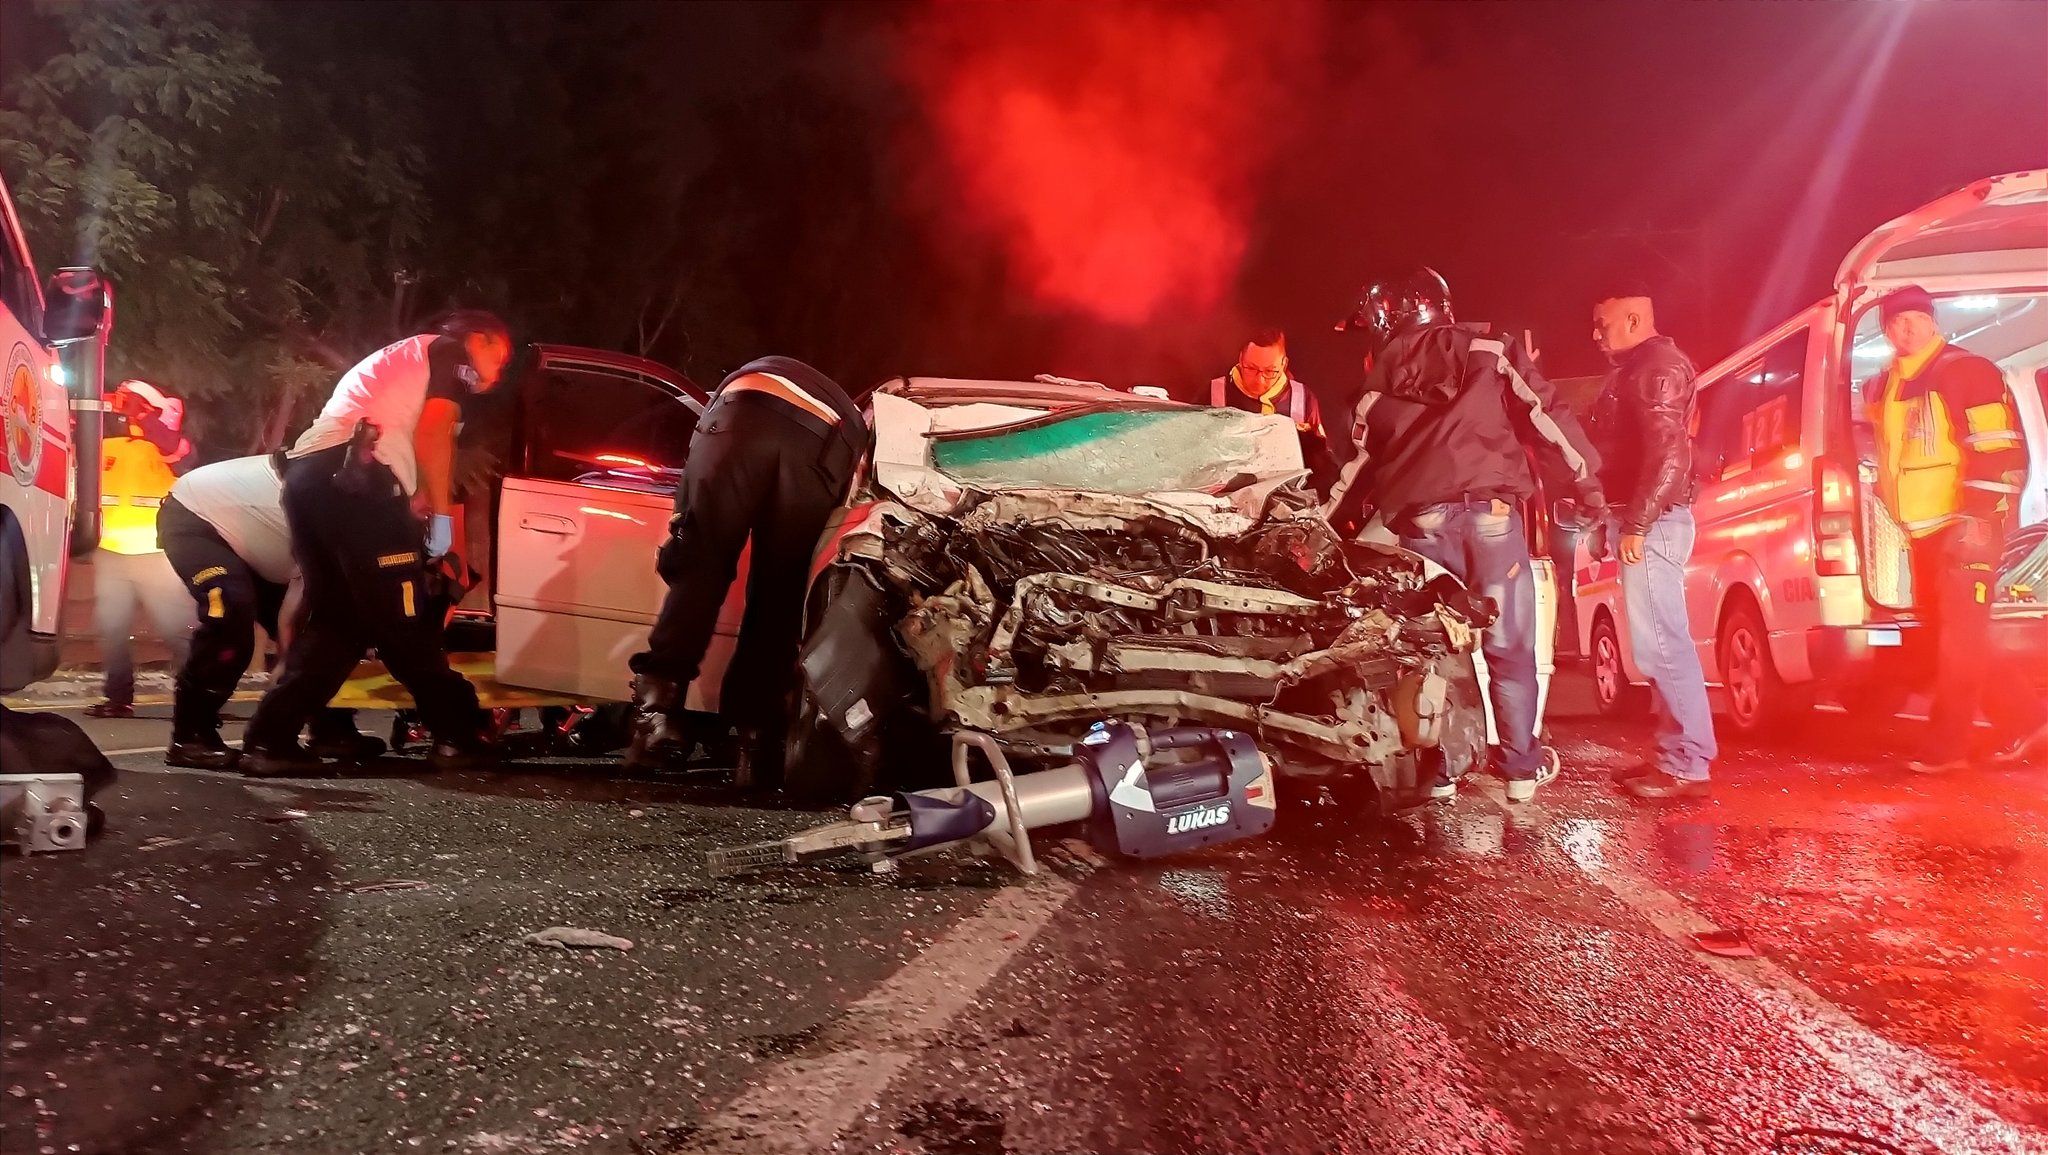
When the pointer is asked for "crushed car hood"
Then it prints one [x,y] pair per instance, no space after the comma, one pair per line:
[1047,568]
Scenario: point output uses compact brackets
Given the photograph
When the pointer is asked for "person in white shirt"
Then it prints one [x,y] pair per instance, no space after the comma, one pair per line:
[223,528]
[380,456]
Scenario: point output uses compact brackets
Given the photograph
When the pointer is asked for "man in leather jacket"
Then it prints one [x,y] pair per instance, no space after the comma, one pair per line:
[1642,426]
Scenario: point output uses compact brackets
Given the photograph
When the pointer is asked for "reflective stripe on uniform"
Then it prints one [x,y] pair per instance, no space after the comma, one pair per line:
[1348,476]
[1545,424]
[2001,437]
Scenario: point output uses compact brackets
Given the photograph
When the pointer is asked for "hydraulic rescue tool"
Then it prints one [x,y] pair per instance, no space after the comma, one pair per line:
[1140,793]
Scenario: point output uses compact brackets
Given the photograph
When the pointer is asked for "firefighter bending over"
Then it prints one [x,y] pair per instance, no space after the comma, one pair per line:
[223,528]
[773,456]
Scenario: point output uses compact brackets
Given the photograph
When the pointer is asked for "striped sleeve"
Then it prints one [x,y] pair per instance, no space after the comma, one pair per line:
[1993,447]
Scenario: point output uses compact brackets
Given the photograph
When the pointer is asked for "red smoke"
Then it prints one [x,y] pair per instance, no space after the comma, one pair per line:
[1110,150]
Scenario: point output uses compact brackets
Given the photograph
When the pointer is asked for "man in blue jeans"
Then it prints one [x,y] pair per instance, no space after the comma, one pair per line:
[1642,424]
[1444,432]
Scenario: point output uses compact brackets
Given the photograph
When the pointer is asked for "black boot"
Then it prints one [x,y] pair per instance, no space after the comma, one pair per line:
[202,751]
[657,739]
[293,761]
[336,739]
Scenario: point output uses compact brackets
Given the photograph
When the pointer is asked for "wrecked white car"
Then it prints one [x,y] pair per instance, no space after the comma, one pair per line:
[1029,558]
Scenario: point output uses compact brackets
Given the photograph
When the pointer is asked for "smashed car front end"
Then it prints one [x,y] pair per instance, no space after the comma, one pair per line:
[1043,567]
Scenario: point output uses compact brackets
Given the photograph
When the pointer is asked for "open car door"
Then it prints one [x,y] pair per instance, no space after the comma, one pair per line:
[598,450]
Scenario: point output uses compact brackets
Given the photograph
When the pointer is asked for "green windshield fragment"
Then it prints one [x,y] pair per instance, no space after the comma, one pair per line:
[1119,451]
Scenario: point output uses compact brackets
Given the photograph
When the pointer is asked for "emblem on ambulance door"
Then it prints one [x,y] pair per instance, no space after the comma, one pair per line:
[23,395]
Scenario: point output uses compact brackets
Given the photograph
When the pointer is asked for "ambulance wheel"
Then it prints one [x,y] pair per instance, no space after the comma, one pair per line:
[1759,701]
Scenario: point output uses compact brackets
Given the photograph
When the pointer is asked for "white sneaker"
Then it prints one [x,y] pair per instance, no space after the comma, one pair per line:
[1521,789]
[1442,791]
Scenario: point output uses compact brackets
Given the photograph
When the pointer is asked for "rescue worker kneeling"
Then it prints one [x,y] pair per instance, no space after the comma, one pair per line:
[223,527]
[775,453]
[384,443]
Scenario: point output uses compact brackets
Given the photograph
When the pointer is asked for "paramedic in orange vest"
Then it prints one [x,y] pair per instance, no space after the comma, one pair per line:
[1950,464]
[130,571]
[1262,382]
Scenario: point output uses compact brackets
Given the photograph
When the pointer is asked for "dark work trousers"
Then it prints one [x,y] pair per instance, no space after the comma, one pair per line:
[753,471]
[359,548]
[233,599]
[1952,590]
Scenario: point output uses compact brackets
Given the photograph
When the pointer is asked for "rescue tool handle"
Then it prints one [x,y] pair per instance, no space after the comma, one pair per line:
[1019,833]
[1180,737]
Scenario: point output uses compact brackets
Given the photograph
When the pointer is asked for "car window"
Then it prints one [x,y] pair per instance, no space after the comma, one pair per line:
[603,428]
[17,283]
[1752,416]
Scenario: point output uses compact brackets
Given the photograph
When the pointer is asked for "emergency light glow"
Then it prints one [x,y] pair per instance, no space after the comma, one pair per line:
[1974,304]
[58,376]
[622,459]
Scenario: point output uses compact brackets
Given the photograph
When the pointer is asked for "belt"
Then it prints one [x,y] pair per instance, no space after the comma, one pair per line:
[769,402]
[838,454]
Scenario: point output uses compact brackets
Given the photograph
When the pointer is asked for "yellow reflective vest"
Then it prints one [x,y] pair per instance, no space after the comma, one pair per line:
[134,481]
[1948,441]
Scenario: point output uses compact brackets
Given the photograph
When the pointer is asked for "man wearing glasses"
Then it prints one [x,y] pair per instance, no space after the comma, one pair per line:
[1261,383]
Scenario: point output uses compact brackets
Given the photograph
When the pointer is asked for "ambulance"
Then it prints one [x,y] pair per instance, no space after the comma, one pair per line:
[53,340]
[1798,588]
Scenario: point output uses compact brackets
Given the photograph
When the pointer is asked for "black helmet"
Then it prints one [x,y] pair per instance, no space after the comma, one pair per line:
[1387,307]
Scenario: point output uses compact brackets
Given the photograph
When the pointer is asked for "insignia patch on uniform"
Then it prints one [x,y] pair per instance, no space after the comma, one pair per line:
[398,560]
[208,574]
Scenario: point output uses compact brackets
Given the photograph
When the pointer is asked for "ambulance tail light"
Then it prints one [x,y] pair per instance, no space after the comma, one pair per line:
[1834,496]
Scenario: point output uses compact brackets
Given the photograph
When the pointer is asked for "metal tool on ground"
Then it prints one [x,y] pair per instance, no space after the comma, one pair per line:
[43,812]
[1141,794]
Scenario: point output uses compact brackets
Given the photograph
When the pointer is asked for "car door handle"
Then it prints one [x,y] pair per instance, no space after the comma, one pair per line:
[547,523]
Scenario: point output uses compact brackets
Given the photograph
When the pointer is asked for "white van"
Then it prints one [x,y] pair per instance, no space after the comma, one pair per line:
[1798,586]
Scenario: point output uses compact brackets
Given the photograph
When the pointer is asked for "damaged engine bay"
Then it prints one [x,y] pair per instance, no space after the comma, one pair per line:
[1031,611]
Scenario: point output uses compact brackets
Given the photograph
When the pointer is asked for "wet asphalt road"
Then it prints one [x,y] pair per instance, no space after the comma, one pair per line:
[336,966]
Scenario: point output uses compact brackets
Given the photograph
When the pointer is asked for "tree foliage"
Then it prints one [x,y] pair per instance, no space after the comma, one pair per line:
[250,195]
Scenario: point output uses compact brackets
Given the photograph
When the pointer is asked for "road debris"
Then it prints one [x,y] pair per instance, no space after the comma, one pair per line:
[1725,943]
[565,937]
